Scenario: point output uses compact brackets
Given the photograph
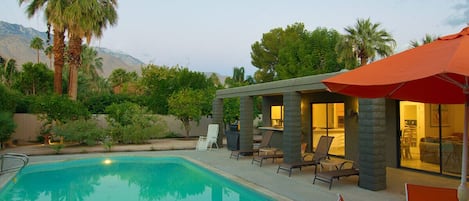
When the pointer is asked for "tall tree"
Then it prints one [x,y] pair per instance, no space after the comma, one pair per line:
[120,76]
[81,19]
[294,52]
[85,19]
[186,105]
[37,44]
[49,53]
[237,79]
[35,79]
[54,13]
[91,63]
[364,42]
[8,71]
[427,39]
[264,55]
[162,81]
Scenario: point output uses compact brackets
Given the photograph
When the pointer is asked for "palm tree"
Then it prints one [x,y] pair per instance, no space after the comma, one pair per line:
[427,39]
[91,64]
[37,44]
[54,13]
[364,41]
[86,19]
[49,53]
[237,79]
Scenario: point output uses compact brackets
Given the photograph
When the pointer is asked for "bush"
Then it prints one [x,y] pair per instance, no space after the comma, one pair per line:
[57,110]
[24,103]
[7,126]
[97,104]
[60,109]
[82,131]
[132,124]
[8,99]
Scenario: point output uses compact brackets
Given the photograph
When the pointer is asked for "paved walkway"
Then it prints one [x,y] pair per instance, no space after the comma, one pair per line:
[297,187]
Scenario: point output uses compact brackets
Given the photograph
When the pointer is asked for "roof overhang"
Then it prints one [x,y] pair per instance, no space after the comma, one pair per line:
[306,84]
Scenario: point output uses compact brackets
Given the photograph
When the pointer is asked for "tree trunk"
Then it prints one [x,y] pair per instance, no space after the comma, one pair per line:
[74,64]
[37,55]
[58,49]
[187,126]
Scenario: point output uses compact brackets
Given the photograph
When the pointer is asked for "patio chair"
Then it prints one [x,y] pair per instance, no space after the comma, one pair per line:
[322,152]
[265,142]
[329,176]
[429,193]
[261,157]
[207,141]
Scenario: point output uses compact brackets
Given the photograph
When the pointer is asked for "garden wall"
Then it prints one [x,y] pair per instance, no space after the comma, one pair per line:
[29,126]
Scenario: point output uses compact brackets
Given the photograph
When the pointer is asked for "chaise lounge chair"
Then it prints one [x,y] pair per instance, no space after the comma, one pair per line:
[322,151]
[265,142]
[207,141]
[261,157]
[329,176]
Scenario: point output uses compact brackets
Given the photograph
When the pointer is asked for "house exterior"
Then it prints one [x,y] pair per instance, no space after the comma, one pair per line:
[364,130]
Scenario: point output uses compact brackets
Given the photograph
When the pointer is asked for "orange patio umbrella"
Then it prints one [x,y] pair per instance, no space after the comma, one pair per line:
[437,72]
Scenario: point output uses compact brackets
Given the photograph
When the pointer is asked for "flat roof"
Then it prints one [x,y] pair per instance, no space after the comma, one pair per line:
[301,84]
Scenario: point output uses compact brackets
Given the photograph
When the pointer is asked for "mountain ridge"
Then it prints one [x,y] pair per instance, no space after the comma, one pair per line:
[15,40]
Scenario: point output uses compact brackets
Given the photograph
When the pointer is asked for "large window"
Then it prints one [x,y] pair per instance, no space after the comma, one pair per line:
[431,136]
[328,120]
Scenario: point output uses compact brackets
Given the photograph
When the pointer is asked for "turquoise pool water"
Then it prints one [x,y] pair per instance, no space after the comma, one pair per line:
[123,179]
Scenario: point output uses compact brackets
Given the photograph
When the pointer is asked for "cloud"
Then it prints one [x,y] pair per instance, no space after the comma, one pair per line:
[462,15]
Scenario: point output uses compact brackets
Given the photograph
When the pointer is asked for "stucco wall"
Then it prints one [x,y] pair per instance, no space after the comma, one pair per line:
[29,126]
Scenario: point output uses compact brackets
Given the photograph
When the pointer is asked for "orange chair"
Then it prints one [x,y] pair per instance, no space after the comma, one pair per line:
[429,193]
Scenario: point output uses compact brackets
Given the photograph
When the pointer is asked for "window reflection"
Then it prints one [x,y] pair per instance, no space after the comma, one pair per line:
[429,131]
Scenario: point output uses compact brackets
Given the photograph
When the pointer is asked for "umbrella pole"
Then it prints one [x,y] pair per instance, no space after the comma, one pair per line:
[462,189]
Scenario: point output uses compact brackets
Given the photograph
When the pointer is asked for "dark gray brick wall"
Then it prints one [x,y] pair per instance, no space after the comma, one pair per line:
[246,122]
[292,127]
[372,143]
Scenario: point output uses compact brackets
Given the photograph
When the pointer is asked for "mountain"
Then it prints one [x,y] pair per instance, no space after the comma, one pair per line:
[15,40]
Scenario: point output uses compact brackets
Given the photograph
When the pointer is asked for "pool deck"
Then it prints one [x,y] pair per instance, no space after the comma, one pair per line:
[297,187]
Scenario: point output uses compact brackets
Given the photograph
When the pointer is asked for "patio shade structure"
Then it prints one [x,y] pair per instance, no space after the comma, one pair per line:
[437,72]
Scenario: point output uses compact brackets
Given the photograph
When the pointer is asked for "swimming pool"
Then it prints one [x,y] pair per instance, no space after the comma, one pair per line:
[124,178]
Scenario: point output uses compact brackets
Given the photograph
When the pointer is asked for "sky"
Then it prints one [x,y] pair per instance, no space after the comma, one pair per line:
[216,35]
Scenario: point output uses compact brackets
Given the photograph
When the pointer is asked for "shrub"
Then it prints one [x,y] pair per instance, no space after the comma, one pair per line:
[8,99]
[132,124]
[7,126]
[57,110]
[97,104]
[60,108]
[82,131]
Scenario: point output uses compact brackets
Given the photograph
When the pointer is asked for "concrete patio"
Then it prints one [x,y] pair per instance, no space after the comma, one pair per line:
[297,187]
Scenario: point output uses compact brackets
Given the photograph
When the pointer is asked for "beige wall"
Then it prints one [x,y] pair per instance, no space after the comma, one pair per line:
[28,127]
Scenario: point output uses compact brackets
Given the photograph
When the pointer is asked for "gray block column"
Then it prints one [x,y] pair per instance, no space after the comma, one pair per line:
[292,127]
[217,118]
[266,110]
[372,143]
[246,118]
